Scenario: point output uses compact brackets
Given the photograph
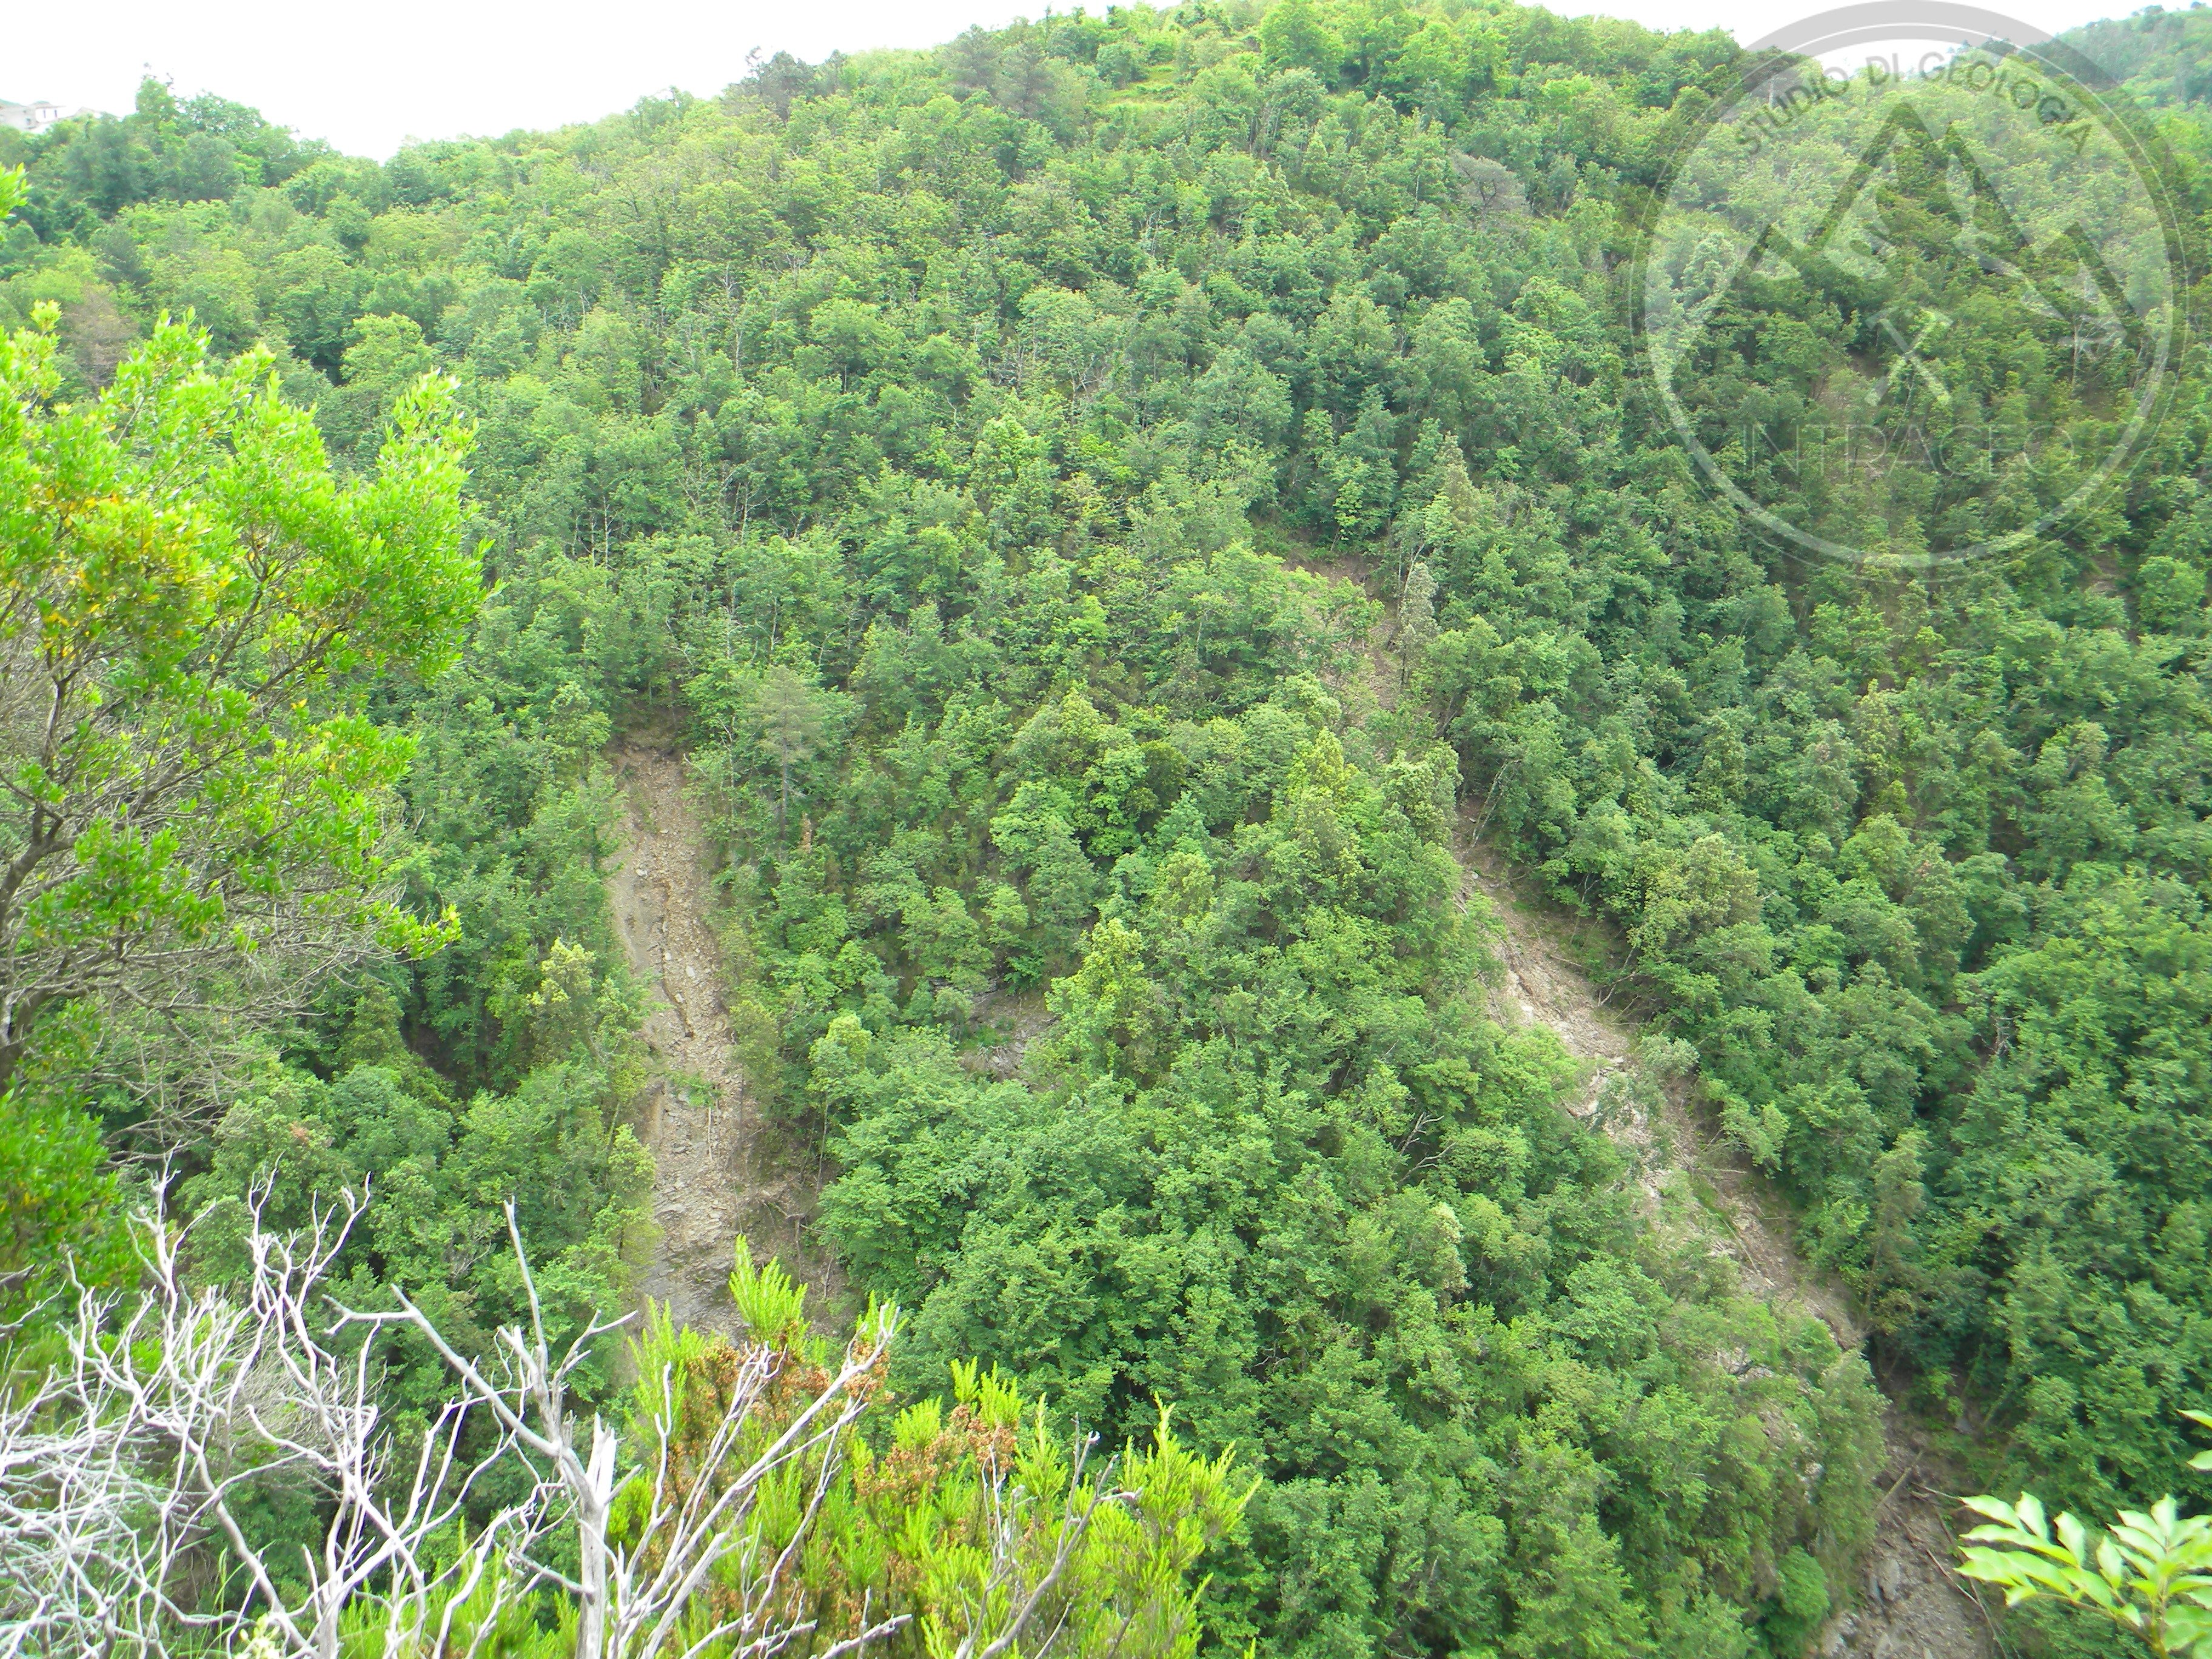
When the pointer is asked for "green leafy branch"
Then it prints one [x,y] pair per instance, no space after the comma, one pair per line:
[2149,1573]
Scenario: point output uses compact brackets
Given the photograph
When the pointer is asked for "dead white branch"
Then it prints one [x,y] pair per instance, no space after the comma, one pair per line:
[127,1465]
[633,1593]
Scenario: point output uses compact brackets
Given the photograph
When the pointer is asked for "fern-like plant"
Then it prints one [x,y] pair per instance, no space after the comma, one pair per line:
[770,1301]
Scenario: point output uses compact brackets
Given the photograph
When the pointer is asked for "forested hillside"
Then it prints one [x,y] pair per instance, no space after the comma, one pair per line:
[1111,503]
[2159,54]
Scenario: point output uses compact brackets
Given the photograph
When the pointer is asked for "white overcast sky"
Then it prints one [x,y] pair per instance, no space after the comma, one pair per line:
[368,79]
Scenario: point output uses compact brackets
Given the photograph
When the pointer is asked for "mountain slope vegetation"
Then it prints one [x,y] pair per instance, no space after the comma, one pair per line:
[999,459]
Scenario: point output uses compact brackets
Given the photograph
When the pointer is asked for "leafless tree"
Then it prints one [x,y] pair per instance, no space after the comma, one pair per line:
[130,1460]
[633,1593]
[1023,1594]
[1490,188]
[125,1465]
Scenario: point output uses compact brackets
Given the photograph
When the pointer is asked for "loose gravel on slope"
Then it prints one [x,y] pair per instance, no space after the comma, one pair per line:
[1913,1606]
[720,1169]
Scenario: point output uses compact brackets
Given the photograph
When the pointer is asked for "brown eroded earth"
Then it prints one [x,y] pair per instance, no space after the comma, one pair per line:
[722,1167]
[1913,1605]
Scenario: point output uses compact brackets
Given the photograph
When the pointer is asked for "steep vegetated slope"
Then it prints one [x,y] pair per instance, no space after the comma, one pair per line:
[943,435]
[1911,1599]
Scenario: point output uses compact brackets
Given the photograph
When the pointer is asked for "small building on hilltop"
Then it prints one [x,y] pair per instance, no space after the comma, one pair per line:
[36,116]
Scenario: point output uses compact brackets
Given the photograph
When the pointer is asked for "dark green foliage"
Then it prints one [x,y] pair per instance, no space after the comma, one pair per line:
[1272,1165]
[201,150]
[439,1173]
[958,440]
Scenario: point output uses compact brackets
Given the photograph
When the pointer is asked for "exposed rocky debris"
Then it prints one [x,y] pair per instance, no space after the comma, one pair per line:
[1913,1605]
[721,1168]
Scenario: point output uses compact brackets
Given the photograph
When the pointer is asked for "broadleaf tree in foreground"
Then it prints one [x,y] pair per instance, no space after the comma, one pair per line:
[194,809]
[1060,411]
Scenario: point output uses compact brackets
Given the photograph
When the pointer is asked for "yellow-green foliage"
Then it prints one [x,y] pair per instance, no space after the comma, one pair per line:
[2149,1574]
[770,1302]
[952,1517]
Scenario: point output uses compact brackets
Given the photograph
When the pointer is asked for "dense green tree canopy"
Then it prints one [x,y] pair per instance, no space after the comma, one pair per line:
[1009,462]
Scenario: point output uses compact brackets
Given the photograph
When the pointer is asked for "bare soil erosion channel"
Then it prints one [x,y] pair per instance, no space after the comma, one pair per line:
[720,1169]
[1913,1605]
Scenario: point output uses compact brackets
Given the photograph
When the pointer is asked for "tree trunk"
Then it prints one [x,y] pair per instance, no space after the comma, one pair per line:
[592,1507]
